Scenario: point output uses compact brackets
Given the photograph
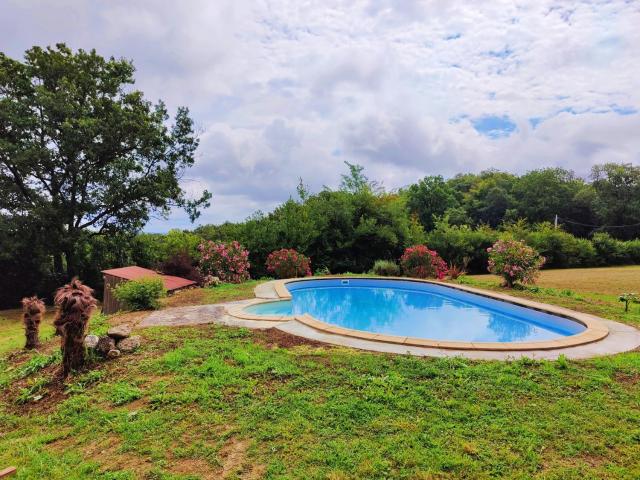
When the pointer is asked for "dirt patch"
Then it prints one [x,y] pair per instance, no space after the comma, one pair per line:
[232,457]
[129,318]
[107,453]
[186,297]
[627,378]
[272,337]
[193,466]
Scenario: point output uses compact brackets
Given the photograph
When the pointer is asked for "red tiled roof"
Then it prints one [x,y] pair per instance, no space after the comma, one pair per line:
[135,273]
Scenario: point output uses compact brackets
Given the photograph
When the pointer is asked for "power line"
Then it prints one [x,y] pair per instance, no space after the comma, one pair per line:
[598,226]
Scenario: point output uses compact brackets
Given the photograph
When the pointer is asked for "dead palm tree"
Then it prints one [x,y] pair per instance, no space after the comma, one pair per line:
[33,309]
[75,303]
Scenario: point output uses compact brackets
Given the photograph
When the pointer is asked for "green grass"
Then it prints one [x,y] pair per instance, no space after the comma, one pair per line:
[606,305]
[12,330]
[217,402]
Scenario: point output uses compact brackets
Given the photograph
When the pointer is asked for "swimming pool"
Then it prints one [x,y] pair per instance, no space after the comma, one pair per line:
[417,310]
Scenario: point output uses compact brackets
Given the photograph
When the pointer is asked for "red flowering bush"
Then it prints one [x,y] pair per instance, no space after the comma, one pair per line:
[288,263]
[420,262]
[227,261]
[514,261]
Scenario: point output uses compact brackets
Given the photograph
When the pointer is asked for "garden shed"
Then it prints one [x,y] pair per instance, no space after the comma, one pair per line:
[115,276]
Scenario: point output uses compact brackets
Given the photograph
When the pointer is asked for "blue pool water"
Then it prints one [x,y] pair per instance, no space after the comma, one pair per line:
[415,309]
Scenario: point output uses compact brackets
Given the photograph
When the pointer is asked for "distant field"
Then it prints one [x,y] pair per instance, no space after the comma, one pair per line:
[607,280]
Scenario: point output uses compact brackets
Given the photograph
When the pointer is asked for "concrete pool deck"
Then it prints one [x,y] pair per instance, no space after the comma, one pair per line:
[601,337]
[619,337]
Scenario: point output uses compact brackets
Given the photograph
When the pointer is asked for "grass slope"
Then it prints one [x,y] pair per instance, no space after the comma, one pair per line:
[215,402]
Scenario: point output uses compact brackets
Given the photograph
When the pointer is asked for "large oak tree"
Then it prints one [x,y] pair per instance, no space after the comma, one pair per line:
[83,153]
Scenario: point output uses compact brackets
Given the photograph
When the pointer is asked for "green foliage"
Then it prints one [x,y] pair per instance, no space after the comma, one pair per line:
[609,251]
[617,199]
[462,244]
[83,154]
[430,198]
[386,268]
[628,298]
[37,363]
[33,390]
[142,294]
[122,393]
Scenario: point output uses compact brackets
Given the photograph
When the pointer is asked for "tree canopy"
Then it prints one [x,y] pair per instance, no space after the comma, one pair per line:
[82,153]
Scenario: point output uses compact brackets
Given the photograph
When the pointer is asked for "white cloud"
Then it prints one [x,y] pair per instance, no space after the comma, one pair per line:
[285,89]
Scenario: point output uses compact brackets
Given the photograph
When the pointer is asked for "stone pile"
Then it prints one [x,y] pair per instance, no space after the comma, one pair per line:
[118,340]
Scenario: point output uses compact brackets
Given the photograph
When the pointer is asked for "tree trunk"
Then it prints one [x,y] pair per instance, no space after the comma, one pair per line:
[58,263]
[73,350]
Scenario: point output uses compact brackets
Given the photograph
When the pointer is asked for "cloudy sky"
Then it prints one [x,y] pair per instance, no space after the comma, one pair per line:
[285,89]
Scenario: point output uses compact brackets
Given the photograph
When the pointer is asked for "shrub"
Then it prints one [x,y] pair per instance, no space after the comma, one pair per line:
[609,250]
[457,244]
[628,298]
[420,262]
[227,261]
[140,294]
[560,249]
[181,265]
[386,268]
[288,263]
[632,248]
[514,261]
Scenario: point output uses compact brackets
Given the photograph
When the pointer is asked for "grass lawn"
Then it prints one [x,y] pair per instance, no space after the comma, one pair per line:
[215,402]
[12,331]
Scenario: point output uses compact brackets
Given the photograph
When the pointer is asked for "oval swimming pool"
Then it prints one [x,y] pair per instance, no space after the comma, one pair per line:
[416,309]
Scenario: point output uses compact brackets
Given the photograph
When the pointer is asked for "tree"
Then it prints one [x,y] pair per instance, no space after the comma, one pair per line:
[617,201]
[83,154]
[429,198]
[75,304]
[541,194]
[33,309]
[356,181]
[490,199]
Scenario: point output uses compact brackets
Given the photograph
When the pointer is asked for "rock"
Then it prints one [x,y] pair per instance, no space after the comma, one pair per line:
[91,341]
[113,353]
[120,331]
[105,344]
[127,345]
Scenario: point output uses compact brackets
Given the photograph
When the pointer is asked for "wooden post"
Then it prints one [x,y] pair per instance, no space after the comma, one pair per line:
[7,472]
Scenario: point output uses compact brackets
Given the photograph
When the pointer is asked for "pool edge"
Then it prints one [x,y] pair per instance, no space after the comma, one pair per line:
[595,330]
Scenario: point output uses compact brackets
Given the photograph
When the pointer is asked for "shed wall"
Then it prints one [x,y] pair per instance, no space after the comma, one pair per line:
[109,303]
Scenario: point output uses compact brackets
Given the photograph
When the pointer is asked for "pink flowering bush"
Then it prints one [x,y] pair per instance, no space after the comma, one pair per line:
[514,261]
[420,262]
[288,263]
[227,261]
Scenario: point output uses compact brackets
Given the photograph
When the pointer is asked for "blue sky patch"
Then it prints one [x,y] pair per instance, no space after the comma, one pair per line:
[504,53]
[494,126]
[624,110]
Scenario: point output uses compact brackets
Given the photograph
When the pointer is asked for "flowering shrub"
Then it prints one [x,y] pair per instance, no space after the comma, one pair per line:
[227,261]
[288,263]
[514,261]
[420,262]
